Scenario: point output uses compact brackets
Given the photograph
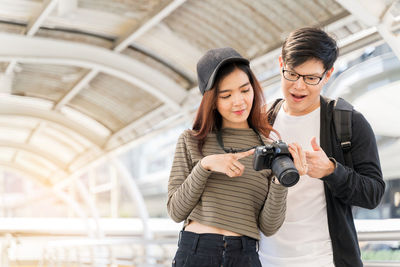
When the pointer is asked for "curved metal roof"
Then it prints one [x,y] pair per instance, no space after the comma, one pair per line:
[81,78]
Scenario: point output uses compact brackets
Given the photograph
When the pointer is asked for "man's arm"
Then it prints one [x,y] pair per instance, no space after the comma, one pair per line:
[363,184]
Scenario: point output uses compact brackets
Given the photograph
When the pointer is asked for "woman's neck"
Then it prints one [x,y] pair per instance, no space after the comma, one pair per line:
[244,125]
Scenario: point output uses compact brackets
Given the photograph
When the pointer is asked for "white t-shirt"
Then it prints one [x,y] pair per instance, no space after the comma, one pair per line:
[303,240]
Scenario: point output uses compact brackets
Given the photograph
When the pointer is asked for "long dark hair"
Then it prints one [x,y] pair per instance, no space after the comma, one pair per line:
[208,118]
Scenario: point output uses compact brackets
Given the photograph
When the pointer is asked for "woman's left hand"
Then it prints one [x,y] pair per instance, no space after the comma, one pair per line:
[299,158]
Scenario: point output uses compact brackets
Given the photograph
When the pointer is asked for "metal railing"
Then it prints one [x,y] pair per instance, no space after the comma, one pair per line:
[380,232]
[122,246]
[110,252]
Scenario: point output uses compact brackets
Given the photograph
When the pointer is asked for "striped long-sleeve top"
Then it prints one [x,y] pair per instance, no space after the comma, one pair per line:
[241,204]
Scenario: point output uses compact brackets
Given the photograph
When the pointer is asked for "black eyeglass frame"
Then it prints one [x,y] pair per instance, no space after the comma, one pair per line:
[299,75]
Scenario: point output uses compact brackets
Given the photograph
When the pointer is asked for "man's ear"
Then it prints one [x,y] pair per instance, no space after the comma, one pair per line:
[328,74]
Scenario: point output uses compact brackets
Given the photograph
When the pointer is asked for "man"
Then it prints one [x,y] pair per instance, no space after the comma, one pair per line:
[319,228]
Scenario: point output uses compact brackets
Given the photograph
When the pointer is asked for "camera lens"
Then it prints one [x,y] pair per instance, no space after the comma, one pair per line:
[283,168]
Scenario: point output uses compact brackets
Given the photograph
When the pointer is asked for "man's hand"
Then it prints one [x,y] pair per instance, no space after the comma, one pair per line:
[226,163]
[299,158]
[319,165]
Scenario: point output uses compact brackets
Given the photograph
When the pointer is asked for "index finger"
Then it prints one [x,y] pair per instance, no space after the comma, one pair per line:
[244,154]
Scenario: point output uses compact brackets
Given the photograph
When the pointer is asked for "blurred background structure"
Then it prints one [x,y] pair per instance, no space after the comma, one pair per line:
[94,93]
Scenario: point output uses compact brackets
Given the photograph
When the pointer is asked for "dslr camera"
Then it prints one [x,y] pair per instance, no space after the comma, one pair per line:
[277,157]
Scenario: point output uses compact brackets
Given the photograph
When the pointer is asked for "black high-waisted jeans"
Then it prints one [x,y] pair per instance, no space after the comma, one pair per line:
[209,250]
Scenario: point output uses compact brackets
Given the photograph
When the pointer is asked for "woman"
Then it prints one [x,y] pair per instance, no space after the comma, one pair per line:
[213,186]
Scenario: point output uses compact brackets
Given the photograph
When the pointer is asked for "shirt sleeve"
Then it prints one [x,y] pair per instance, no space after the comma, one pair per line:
[273,213]
[362,185]
[186,182]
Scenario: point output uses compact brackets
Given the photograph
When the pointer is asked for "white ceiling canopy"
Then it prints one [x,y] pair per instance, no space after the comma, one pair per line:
[82,78]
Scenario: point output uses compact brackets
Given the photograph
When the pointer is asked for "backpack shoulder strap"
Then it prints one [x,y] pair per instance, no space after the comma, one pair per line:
[342,113]
[273,110]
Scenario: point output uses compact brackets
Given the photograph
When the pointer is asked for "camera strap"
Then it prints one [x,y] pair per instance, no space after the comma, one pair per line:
[233,150]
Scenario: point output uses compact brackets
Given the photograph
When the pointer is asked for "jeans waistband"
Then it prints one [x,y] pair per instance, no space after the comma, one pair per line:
[194,241]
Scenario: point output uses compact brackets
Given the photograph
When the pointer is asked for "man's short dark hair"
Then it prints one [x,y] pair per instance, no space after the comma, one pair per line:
[309,43]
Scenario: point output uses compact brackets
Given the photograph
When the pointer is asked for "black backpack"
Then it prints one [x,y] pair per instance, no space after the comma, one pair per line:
[342,112]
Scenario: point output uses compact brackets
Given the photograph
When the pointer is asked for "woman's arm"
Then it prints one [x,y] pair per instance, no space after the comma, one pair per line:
[186,182]
[273,213]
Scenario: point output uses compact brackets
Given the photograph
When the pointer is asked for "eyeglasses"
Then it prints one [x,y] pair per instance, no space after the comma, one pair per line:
[308,79]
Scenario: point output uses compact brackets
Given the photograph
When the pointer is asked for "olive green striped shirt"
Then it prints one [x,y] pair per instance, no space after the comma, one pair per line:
[241,204]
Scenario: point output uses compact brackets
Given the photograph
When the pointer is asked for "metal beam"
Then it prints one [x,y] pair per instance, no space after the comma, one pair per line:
[84,81]
[385,30]
[367,11]
[55,190]
[34,25]
[137,197]
[134,124]
[80,159]
[184,73]
[36,151]
[25,199]
[80,212]
[13,109]
[85,195]
[34,132]
[134,33]
[22,170]
[45,51]
[375,14]
[120,45]
[115,192]
[36,21]
[104,158]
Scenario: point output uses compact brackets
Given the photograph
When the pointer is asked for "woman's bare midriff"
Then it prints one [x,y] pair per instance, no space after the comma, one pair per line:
[199,228]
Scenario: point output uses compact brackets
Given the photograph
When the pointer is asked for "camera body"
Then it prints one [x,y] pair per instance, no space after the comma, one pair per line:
[277,157]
